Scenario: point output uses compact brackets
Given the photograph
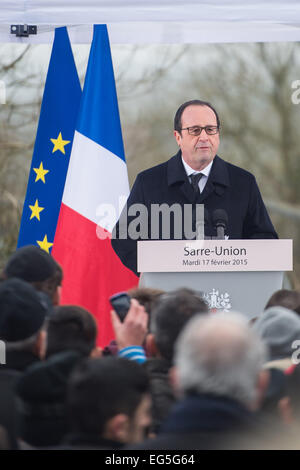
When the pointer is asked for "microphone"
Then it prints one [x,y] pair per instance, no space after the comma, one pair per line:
[220,221]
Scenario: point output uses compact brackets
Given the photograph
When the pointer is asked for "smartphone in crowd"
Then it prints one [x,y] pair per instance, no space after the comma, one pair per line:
[120,303]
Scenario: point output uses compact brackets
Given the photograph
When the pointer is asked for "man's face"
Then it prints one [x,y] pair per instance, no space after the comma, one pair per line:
[197,151]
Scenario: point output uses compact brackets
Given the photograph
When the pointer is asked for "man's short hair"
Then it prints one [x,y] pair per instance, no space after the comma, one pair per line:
[285,298]
[146,296]
[179,112]
[219,354]
[71,328]
[99,389]
[170,314]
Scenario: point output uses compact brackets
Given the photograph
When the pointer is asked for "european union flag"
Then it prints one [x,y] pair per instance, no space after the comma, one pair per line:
[52,148]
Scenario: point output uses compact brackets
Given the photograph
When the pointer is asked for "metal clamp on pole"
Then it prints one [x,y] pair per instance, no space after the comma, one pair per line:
[23,30]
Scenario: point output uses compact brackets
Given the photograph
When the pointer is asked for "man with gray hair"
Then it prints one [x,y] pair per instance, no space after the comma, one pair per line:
[218,373]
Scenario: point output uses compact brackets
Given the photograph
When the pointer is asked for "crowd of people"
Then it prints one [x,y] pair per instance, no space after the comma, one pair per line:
[176,376]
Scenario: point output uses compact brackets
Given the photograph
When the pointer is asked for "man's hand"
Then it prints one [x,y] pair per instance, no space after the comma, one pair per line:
[134,328]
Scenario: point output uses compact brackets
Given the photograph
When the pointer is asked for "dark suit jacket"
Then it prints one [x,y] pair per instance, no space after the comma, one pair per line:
[206,422]
[228,187]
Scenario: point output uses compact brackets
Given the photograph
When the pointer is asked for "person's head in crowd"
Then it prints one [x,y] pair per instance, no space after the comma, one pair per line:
[289,299]
[71,335]
[22,318]
[71,327]
[108,400]
[220,355]
[146,296]
[169,315]
[41,418]
[34,265]
[279,328]
[286,434]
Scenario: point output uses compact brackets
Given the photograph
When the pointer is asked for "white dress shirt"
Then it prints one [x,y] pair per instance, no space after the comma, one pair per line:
[205,172]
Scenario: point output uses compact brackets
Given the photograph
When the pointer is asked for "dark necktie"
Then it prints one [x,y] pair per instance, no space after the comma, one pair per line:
[195,178]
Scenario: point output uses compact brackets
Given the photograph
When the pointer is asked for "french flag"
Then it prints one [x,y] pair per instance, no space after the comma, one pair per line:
[95,192]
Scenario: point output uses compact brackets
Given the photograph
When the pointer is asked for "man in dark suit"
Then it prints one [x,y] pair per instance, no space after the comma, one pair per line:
[195,175]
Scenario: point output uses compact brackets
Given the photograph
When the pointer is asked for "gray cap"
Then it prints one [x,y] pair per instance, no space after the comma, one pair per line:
[279,327]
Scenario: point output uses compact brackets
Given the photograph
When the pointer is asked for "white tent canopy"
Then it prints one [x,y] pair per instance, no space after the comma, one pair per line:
[156,21]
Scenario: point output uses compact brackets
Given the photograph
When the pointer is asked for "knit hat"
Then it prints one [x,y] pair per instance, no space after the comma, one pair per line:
[279,327]
[22,311]
[31,264]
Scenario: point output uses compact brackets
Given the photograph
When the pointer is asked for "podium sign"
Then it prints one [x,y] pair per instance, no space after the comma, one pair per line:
[236,275]
[215,255]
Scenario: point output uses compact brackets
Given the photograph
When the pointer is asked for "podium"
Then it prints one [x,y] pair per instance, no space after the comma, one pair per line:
[232,275]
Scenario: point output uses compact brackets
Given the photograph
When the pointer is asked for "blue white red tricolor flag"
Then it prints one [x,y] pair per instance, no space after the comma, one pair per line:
[96,183]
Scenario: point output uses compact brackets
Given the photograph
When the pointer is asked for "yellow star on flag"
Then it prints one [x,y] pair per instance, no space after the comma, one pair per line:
[40,173]
[44,244]
[59,144]
[35,210]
